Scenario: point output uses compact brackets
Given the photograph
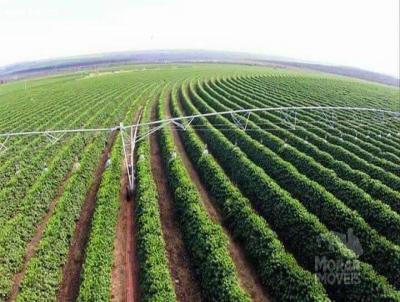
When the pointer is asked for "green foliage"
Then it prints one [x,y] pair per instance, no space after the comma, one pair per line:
[278,270]
[96,281]
[15,234]
[372,186]
[96,275]
[154,277]
[28,212]
[282,193]
[43,273]
[205,240]
[384,255]
[317,136]
[298,229]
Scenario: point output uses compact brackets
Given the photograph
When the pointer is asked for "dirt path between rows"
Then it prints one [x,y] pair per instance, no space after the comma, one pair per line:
[125,272]
[187,288]
[69,288]
[132,264]
[118,274]
[249,280]
[31,247]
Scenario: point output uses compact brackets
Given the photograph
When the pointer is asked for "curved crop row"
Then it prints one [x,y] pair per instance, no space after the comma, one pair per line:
[68,113]
[205,240]
[19,147]
[344,119]
[382,254]
[16,188]
[357,147]
[377,214]
[43,273]
[57,115]
[19,184]
[278,270]
[96,270]
[373,187]
[16,233]
[26,117]
[43,276]
[154,276]
[348,122]
[337,152]
[302,233]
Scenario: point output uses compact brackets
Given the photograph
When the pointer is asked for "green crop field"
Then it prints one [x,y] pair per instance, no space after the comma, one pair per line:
[270,206]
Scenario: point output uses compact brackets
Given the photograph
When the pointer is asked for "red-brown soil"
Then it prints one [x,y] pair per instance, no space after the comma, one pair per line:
[187,288]
[246,273]
[125,273]
[31,247]
[118,275]
[69,288]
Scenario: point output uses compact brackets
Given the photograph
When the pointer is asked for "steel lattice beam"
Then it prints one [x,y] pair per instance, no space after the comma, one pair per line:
[190,118]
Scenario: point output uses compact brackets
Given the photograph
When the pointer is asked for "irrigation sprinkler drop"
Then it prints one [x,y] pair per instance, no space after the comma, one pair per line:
[130,133]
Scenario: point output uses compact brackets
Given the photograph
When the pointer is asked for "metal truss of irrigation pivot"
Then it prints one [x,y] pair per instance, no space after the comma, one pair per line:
[130,135]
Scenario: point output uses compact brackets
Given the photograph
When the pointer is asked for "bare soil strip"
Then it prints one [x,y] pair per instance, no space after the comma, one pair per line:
[248,278]
[125,273]
[69,288]
[31,247]
[186,286]
[132,264]
[118,275]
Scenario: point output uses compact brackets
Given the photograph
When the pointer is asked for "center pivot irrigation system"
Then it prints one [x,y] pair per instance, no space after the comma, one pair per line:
[129,133]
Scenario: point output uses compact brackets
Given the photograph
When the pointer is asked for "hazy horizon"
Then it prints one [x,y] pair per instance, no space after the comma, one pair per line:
[357,33]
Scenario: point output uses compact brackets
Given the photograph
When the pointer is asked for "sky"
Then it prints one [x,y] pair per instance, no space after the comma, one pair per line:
[359,33]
